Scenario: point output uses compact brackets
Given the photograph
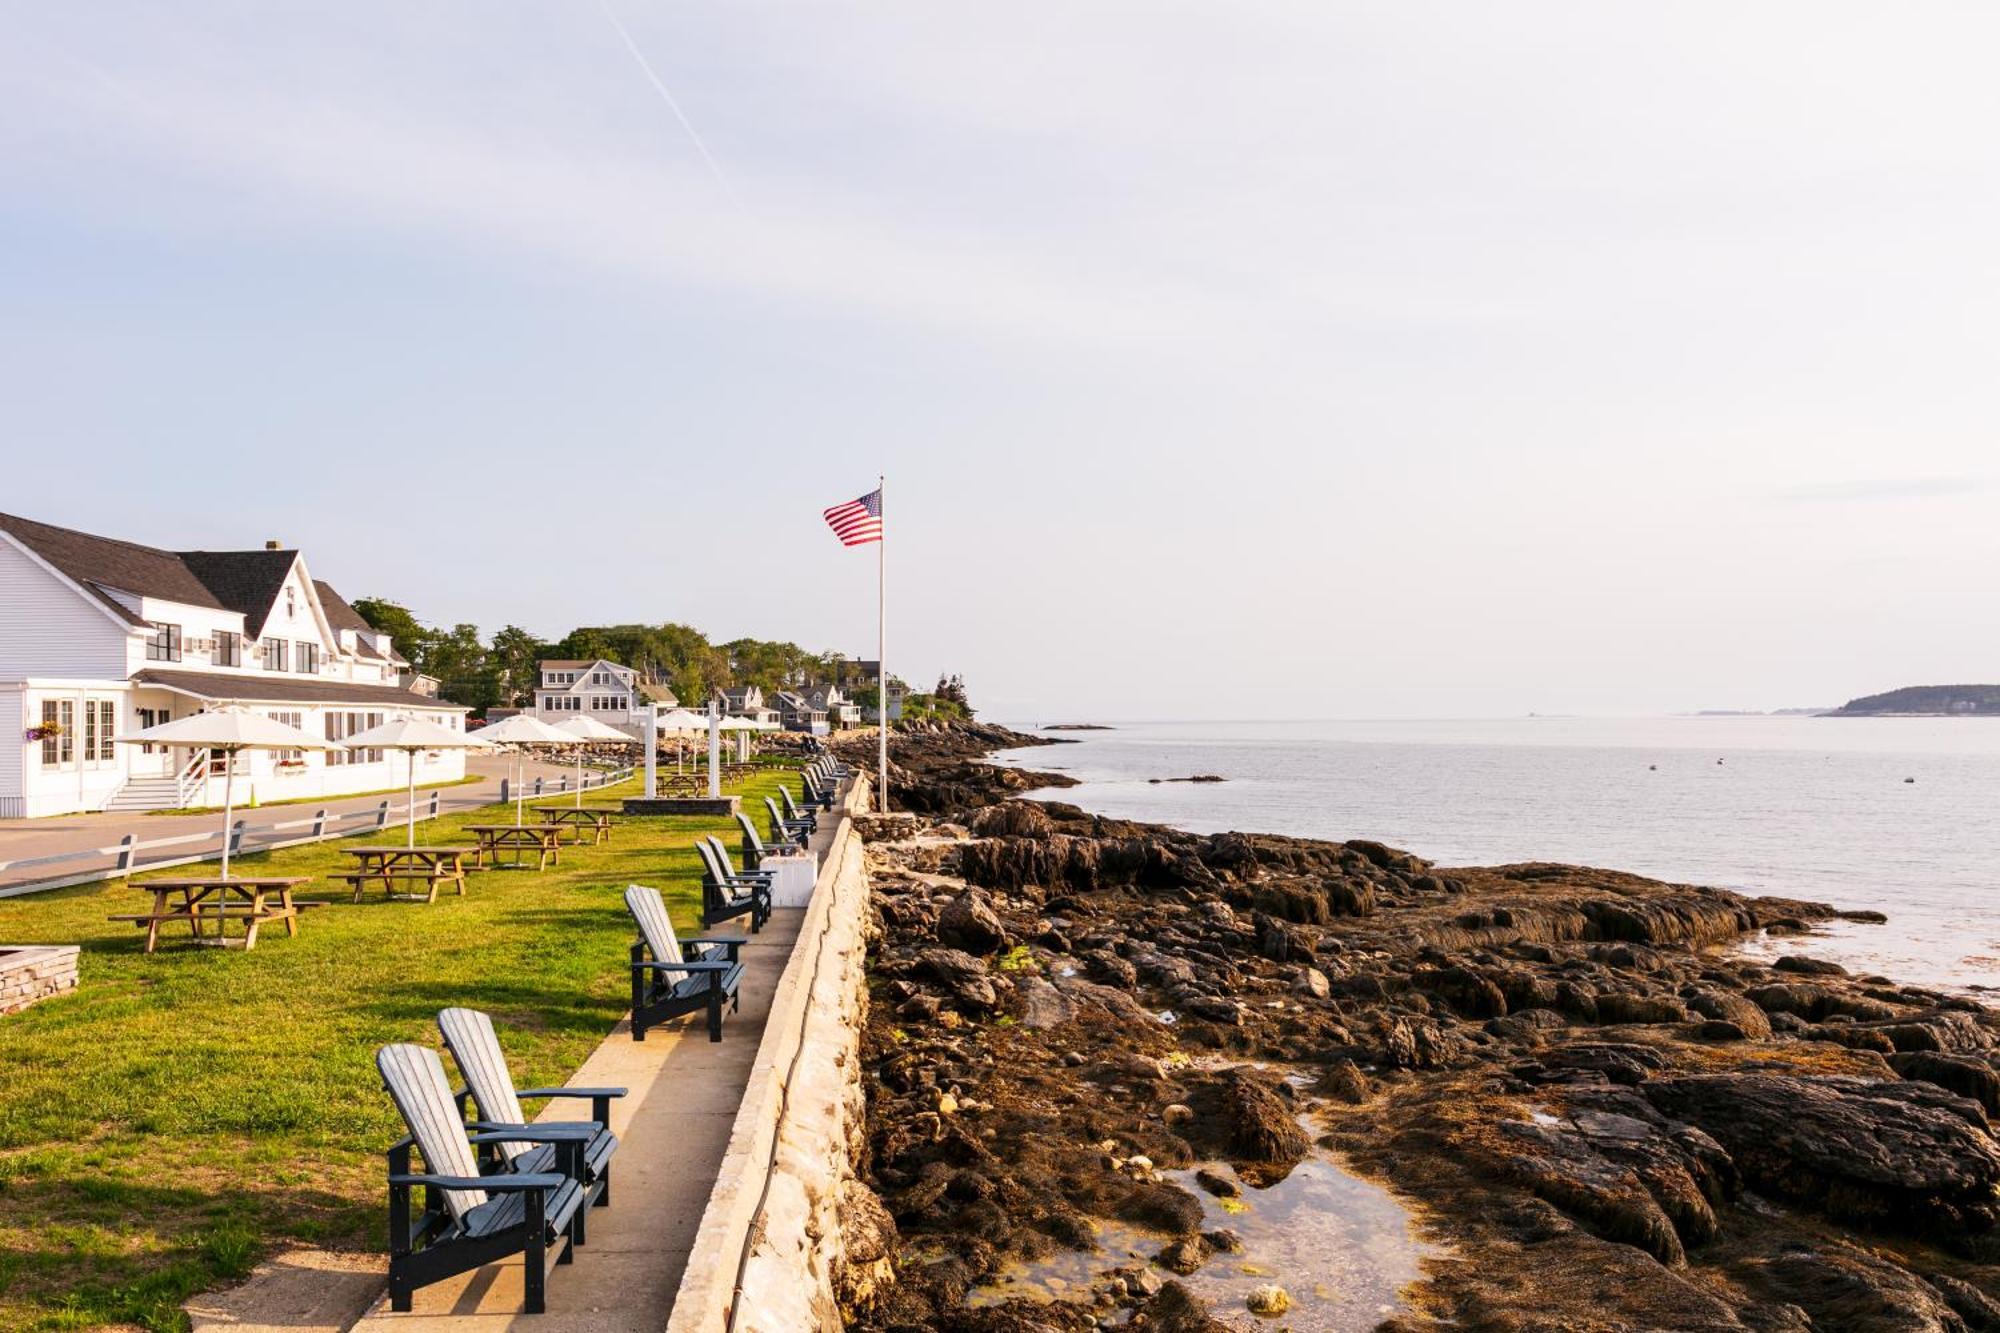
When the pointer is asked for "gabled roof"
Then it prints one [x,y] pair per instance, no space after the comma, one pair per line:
[659,694]
[258,688]
[244,581]
[566,663]
[339,615]
[99,563]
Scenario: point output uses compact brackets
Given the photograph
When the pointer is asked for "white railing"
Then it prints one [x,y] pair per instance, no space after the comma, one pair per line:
[125,858]
[191,777]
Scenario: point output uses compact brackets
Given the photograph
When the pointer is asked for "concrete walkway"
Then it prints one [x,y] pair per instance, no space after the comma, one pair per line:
[21,839]
[673,1126]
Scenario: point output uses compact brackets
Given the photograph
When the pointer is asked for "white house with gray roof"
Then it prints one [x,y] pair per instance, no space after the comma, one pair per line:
[597,688]
[100,637]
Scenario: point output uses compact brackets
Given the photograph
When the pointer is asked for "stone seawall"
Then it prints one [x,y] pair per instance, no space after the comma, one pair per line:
[31,972]
[787,1230]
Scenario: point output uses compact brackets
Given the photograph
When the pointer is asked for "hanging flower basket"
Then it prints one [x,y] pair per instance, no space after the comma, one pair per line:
[45,731]
[291,765]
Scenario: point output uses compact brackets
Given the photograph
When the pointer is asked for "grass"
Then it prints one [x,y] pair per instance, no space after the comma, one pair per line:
[184,1113]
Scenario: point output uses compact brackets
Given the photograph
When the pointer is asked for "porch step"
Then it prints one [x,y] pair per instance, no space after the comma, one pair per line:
[145,794]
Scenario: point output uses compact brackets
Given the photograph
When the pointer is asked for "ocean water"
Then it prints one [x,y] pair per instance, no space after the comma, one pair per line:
[1804,807]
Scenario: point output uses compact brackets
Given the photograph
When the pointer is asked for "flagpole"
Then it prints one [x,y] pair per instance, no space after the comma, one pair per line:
[882,650]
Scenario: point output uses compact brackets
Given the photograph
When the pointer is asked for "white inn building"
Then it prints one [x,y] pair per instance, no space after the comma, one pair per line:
[599,689]
[99,637]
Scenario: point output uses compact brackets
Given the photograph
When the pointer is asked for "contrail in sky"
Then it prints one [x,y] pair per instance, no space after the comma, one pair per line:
[672,105]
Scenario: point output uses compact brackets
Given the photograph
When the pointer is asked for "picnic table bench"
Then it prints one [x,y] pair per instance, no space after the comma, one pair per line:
[198,902]
[545,840]
[388,866]
[595,819]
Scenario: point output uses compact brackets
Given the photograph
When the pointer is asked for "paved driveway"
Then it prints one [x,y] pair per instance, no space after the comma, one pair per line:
[21,839]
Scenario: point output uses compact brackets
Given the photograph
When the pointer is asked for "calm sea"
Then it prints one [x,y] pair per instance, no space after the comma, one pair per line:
[1804,807]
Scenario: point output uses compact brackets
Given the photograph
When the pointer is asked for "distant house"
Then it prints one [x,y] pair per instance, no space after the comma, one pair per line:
[748,702]
[841,711]
[597,688]
[855,674]
[798,713]
[101,637]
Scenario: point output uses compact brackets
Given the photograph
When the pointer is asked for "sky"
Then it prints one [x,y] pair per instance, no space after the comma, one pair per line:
[1224,360]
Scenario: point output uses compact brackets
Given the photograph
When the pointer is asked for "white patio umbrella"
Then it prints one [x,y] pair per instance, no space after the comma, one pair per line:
[679,722]
[587,729]
[519,732]
[742,726]
[411,734]
[226,731]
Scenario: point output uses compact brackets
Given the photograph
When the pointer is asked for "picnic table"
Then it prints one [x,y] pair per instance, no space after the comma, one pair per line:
[545,840]
[595,819]
[387,865]
[201,901]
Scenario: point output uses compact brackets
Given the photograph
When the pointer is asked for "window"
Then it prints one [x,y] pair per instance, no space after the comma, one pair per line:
[307,661]
[274,654]
[165,645]
[107,714]
[296,722]
[339,726]
[228,649]
[66,743]
[153,717]
[50,745]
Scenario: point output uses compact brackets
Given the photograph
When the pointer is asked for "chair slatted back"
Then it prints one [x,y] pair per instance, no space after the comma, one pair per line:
[415,1079]
[777,821]
[753,843]
[791,806]
[715,872]
[658,928]
[720,852]
[475,1049]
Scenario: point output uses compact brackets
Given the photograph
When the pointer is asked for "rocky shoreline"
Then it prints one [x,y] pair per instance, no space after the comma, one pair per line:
[1600,1116]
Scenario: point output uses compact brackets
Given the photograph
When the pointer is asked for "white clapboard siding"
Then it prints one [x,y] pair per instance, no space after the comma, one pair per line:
[49,629]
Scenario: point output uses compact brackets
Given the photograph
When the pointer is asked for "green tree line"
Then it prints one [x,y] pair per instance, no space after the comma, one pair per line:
[502,670]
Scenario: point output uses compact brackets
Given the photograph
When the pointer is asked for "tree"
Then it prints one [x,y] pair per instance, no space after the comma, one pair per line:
[951,690]
[459,661]
[410,638]
[515,658]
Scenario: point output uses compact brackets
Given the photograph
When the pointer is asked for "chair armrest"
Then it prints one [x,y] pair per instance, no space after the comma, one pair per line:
[690,966]
[550,1133]
[736,941]
[533,1180]
[569,1092]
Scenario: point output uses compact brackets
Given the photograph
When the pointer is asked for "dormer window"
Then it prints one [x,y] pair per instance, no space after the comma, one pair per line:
[165,645]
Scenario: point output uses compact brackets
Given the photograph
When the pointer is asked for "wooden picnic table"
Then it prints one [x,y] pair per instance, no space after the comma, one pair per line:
[595,819]
[545,840]
[387,864]
[199,901]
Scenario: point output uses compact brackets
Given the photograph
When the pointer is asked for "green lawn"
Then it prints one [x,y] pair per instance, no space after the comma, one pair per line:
[183,1112]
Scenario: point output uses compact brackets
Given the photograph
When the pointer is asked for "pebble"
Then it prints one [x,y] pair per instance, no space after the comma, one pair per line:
[1177,1113]
[1269,1299]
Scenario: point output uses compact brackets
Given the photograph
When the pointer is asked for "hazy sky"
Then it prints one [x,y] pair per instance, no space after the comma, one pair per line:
[1316,359]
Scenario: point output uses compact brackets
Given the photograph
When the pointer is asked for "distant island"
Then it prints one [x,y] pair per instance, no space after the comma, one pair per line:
[1926,701]
[1077,726]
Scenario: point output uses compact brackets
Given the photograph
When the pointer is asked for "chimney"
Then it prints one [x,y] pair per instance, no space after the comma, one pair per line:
[274,545]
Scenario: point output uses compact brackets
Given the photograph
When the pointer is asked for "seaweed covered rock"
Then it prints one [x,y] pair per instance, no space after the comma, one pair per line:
[1864,1152]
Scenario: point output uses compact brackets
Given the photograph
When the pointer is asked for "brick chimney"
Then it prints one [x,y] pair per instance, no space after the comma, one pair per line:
[274,545]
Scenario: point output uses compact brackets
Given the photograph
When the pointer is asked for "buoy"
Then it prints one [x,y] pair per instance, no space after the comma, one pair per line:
[1652,768]
[1909,779]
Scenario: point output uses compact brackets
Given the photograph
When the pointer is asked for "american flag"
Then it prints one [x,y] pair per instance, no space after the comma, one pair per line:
[858,522]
